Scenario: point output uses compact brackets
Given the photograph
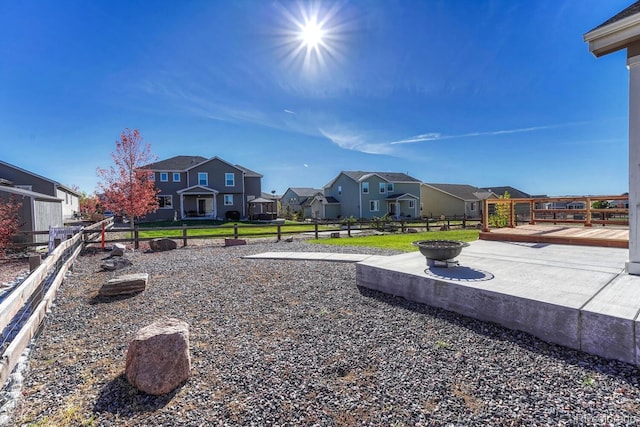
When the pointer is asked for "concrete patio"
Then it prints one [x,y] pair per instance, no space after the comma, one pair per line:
[575,296]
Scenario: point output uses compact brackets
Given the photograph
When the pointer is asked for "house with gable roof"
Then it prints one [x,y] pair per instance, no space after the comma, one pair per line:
[297,199]
[453,200]
[44,202]
[372,194]
[194,187]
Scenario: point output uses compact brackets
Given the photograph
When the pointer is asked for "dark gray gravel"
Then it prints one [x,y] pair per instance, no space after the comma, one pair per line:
[297,343]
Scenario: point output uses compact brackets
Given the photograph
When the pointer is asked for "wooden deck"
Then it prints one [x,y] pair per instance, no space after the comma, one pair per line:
[612,237]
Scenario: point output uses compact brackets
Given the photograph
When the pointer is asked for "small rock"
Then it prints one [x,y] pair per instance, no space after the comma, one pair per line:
[163,244]
[411,230]
[124,285]
[158,358]
[112,264]
[234,242]
[118,249]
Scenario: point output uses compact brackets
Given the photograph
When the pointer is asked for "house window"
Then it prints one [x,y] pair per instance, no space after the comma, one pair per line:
[339,190]
[176,177]
[383,187]
[228,199]
[165,202]
[374,205]
[164,177]
[229,179]
[390,187]
[152,176]
[412,204]
[203,178]
[473,206]
[365,188]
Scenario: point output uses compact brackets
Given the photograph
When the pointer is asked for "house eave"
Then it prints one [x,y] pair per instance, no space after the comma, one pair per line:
[613,37]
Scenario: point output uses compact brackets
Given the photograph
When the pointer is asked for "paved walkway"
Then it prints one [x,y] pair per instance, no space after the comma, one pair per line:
[314,256]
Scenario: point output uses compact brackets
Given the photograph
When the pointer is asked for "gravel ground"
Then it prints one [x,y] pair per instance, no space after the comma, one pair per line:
[297,343]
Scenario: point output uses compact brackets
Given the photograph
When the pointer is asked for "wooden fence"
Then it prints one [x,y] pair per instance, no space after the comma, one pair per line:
[563,210]
[23,309]
[316,228]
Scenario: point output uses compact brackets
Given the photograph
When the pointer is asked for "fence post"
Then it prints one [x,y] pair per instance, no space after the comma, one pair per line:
[464,221]
[349,228]
[235,231]
[102,244]
[402,226]
[587,214]
[428,224]
[279,232]
[184,235]
[136,244]
[315,226]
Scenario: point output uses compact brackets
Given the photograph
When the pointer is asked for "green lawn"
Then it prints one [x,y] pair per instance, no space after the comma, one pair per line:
[244,230]
[399,241]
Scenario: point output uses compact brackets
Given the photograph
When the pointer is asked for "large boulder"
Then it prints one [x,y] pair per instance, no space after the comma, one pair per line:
[162,244]
[158,358]
[124,285]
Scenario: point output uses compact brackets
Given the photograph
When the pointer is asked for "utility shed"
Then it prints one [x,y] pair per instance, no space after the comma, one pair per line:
[37,213]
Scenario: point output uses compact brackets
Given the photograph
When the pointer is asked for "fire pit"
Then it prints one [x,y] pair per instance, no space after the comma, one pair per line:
[440,253]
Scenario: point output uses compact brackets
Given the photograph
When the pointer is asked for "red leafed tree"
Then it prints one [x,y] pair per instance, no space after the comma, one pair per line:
[89,205]
[127,185]
[9,222]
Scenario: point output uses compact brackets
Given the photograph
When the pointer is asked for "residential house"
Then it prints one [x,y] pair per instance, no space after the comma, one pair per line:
[371,194]
[452,200]
[194,187]
[17,177]
[295,200]
[514,193]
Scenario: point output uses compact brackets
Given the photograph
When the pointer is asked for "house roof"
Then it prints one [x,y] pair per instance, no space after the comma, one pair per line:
[249,172]
[260,200]
[270,196]
[27,193]
[358,176]
[629,11]
[177,163]
[195,189]
[513,192]
[398,196]
[387,176]
[616,33]
[461,191]
[56,183]
[305,191]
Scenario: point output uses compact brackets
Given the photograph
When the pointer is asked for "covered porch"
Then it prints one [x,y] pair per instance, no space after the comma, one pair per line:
[402,206]
[198,202]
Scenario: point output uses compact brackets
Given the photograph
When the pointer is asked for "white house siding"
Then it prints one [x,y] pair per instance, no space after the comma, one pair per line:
[70,203]
[46,214]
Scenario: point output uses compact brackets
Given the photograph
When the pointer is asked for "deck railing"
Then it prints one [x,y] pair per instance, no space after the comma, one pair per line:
[558,210]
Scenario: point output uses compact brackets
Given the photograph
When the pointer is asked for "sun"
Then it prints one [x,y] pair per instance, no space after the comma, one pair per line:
[312,34]
[311,37]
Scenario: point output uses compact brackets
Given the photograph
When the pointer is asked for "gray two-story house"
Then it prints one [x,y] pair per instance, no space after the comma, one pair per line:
[194,187]
[372,194]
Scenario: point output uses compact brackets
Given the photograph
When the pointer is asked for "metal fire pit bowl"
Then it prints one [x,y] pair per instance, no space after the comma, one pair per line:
[440,250]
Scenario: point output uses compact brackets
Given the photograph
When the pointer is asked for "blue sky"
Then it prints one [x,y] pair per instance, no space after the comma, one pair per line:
[487,93]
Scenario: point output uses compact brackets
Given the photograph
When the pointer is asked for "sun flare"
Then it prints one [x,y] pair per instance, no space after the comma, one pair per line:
[312,34]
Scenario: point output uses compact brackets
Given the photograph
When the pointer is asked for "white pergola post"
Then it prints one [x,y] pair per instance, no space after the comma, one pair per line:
[623,32]
[633,64]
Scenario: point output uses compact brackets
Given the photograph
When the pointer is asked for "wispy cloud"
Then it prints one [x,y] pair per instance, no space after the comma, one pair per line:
[289,111]
[355,142]
[434,136]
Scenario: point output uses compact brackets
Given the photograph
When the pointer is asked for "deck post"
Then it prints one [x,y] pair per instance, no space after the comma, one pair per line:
[587,222]
[485,216]
[532,216]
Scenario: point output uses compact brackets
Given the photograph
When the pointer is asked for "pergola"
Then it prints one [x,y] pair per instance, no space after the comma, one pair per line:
[623,32]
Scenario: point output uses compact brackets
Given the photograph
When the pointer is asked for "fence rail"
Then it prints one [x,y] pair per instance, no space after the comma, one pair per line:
[569,210]
[234,231]
[23,309]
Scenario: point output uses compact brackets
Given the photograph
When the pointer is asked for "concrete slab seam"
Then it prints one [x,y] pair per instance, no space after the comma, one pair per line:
[580,310]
